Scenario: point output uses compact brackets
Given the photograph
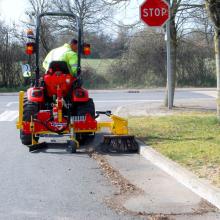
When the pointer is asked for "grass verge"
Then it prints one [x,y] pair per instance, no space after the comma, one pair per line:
[193,140]
[15,89]
[99,65]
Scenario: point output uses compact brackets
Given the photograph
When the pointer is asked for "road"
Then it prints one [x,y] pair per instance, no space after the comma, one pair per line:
[114,99]
[54,184]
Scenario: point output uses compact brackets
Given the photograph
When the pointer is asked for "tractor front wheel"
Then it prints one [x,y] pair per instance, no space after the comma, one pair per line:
[71,147]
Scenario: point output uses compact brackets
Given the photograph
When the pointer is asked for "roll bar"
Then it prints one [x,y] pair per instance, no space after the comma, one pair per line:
[79,28]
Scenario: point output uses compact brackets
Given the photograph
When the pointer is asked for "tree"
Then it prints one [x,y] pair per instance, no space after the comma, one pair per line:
[180,15]
[213,8]
[92,13]
[180,18]
[138,65]
[10,56]
[35,8]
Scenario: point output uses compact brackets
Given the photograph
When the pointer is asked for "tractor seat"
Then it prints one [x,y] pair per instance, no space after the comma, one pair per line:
[56,66]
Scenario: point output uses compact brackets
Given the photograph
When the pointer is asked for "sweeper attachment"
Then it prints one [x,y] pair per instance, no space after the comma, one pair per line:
[58,106]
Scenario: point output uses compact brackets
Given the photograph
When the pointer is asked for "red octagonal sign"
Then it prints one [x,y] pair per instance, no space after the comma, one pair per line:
[155,13]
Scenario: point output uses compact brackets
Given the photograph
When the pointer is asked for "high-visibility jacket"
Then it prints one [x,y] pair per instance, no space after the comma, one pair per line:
[64,53]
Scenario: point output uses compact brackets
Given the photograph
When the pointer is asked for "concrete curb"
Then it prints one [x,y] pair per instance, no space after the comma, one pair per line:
[9,94]
[182,175]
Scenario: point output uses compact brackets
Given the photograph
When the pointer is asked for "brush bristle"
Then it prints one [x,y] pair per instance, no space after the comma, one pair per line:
[120,144]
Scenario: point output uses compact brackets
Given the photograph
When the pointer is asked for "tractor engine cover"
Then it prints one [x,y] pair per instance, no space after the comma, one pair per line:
[58,80]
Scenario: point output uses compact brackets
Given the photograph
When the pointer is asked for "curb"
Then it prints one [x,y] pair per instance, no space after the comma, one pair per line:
[182,175]
[9,94]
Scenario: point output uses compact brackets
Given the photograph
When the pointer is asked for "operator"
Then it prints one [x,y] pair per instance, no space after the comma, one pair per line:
[67,53]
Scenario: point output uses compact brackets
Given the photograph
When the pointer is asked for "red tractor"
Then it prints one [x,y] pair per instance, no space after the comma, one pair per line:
[57,104]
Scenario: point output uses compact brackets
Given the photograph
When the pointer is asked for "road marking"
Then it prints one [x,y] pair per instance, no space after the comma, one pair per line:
[11,103]
[8,116]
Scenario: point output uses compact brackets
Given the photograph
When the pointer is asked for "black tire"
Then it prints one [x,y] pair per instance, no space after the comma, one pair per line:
[71,147]
[87,107]
[82,110]
[30,109]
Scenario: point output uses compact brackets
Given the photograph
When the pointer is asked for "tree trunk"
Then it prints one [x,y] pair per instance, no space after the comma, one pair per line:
[217,57]
[173,58]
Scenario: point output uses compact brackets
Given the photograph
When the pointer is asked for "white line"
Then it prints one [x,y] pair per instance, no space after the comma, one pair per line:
[11,103]
[8,115]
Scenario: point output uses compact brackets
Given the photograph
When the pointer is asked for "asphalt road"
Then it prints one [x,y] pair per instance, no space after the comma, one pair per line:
[54,184]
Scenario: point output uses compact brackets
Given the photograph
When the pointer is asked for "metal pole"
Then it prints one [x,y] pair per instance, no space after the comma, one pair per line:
[169,69]
[79,25]
[37,41]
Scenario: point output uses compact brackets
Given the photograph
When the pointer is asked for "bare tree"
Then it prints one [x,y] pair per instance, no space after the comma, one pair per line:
[213,8]
[180,16]
[10,56]
[35,8]
[116,2]
[92,13]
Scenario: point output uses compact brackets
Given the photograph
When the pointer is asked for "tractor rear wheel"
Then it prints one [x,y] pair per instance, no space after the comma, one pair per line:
[82,110]
[30,109]
[86,107]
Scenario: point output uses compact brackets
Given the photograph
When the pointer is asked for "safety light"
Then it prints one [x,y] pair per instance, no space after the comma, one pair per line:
[30,48]
[30,34]
[86,49]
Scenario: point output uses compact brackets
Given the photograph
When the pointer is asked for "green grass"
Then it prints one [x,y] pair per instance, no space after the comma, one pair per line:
[15,89]
[100,65]
[189,139]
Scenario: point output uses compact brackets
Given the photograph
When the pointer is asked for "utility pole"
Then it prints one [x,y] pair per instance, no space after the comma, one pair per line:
[169,69]
[149,15]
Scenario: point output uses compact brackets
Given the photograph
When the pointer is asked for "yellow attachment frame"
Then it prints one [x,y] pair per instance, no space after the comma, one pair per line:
[21,110]
[118,125]
[60,116]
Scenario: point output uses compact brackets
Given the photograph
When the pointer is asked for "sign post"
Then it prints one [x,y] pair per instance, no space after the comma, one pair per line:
[169,69]
[155,13]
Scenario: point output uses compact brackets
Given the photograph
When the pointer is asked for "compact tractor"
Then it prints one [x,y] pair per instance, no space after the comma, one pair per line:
[58,105]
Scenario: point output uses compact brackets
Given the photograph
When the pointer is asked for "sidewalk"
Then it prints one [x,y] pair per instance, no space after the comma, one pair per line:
[160,197]
[158,109]
[162,194]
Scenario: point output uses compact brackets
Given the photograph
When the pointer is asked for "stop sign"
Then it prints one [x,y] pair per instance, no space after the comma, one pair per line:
[155,13]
